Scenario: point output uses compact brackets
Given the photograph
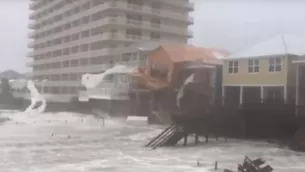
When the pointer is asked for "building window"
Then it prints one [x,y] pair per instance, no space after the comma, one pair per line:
[155,7]
[86,6]
[134,19]
[159,71]
[134,33]
[66,51]
[155,22]
[74,49]
[275,64]
[66,63]
[154,35]
[253,66]
[84,62]
[85,33]
[97,16]
[96,45]
[73,77]
[65,77]
[76,23]
[67,39]
[84,47]
[85,19]
[73,90]
[97,60]
[233,66]
[64,90]
[75,37]
[96,31]
[75,63]
[97,2]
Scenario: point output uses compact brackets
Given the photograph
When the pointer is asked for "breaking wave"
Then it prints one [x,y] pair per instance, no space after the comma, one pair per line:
[65,142]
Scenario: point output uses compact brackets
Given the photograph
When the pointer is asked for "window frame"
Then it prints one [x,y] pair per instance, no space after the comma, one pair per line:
[253,66]
[274,65]
[234,65]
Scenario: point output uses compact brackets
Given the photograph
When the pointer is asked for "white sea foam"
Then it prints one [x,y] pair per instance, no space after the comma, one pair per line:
[80,143]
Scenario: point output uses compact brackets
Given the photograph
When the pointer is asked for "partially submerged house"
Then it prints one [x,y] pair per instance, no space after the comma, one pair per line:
[300,85]
[167,70]
[263,72]
[109,90]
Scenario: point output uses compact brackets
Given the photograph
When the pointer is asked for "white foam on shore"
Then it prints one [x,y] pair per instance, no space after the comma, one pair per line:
[83,144]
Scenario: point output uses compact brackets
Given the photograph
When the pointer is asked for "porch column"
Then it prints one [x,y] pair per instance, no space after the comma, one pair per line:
[297,85]
[285,93]
[262,94]
[297,91]
[223,95]
[241,95]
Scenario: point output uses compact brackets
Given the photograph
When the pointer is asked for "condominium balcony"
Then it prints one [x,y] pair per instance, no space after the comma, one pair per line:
[190,34]
[190,6]
[190,20]
[31,44]
[32,35]
[34,5]
[32,25]
[30,54]
[32,16]
[147,10]
[78,69]
[29,64]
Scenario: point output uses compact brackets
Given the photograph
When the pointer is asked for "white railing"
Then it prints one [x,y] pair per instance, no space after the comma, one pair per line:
[112,91]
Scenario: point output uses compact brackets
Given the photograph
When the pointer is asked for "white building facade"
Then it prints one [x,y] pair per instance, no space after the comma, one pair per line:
[72,37]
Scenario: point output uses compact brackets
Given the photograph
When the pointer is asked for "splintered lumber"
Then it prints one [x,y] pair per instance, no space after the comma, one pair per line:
[257,165]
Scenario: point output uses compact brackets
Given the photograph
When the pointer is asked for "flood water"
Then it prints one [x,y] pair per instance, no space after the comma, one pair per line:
[69,142]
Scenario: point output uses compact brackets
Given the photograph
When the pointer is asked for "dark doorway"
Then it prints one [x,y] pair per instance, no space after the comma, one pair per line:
[232,96]
[251,94]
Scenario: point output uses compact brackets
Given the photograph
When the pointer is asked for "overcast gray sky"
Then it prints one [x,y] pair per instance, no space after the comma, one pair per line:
[226,24]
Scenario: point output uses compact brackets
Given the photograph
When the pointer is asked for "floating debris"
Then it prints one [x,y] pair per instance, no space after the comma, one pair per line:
[257,165]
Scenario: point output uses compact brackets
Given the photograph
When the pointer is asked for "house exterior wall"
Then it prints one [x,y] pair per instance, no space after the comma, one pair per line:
[291,73]
[291,79]
[160,57]
[263,77]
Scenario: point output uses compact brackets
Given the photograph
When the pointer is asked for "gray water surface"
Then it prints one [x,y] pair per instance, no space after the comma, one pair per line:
[67,142]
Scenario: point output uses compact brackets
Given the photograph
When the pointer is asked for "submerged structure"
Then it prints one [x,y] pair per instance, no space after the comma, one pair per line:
[255,97]
[36,98]
[26,90]
[256,165]
[172,73]
[109,91]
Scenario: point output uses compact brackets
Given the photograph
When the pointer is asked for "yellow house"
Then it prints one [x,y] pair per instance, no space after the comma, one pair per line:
[263,72]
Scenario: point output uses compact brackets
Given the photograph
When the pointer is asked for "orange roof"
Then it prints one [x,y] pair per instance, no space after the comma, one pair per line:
[149,81]
[183,53]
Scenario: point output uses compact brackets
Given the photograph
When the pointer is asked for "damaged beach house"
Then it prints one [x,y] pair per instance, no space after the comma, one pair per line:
[172,70]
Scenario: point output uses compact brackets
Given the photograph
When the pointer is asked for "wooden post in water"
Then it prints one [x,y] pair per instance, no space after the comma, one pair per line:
[185,138]
[103,121]
[196,139]
[109,107]
[206,138]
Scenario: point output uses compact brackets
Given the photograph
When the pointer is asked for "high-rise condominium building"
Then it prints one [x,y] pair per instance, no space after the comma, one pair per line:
[73,37]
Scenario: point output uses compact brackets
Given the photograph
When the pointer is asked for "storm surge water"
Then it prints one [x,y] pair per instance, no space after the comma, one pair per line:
[65,142]
[36,97]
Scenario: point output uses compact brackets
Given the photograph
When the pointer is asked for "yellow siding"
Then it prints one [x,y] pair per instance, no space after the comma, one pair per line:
[263,77]
[292,71]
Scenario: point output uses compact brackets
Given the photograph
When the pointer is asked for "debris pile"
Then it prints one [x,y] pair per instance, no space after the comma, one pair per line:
[257,165]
